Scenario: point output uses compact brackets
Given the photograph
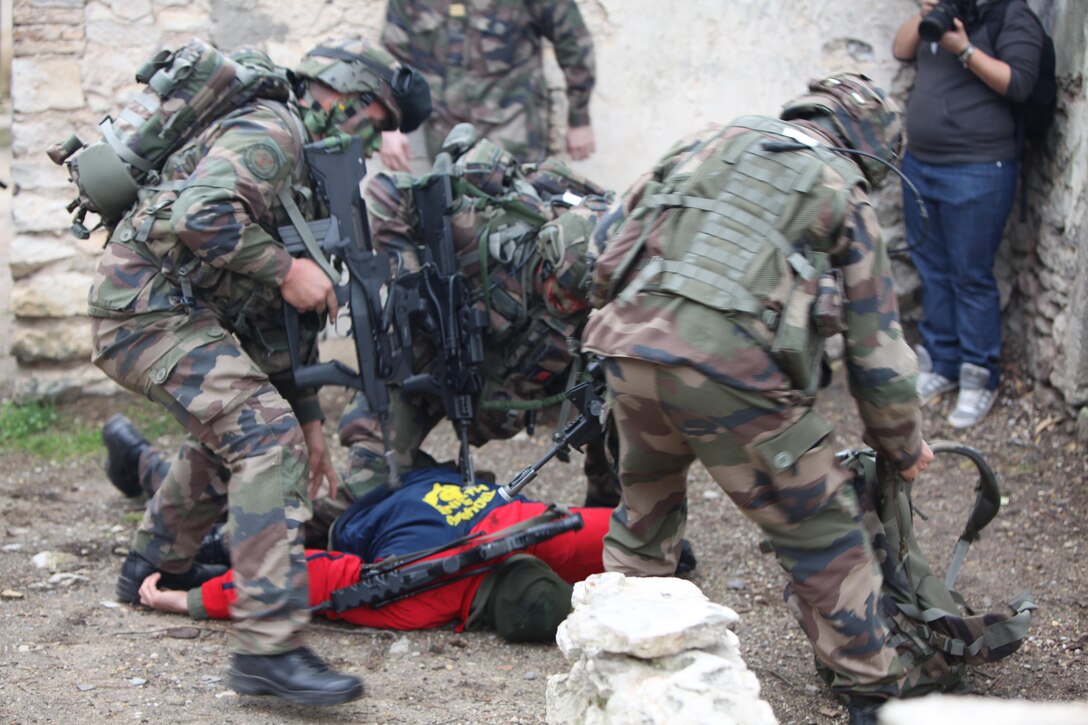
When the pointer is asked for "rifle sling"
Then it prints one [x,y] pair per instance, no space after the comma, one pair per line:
[303,228]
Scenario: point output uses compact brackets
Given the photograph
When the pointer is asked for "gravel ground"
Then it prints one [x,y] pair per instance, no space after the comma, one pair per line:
[70,654]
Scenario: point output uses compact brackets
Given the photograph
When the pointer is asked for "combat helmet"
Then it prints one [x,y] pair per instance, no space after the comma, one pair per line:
[567,253]
[488,166]
[355,66]
[859,113]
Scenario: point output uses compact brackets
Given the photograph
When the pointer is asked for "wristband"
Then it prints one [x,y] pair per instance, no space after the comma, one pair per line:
[965,55]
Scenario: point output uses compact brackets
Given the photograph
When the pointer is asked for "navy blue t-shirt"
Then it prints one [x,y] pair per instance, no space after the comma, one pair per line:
[432,507]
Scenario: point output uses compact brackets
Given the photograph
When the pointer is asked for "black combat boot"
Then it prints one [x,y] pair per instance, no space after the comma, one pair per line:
[863,710]
[214,548]
[687,561]
[124,444]
[136,569]
[297,676]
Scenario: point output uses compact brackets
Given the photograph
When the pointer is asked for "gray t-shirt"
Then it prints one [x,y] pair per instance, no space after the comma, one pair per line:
[952,116]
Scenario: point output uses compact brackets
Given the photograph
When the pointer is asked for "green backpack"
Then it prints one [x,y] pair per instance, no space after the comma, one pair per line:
[934,631]
[186,89]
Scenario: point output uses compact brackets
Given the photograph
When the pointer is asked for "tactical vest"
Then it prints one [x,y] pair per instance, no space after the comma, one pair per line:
[735,238]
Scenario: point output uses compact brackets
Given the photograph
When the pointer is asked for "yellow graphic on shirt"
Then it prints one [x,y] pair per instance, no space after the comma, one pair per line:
[458,504]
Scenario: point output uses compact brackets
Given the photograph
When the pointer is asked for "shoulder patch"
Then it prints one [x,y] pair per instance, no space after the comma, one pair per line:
[263,160]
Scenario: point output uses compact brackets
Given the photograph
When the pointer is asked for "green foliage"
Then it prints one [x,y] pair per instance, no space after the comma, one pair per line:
[44,430]
[19,422]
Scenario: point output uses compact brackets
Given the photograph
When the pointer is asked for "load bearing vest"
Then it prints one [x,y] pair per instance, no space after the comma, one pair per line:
[728,255]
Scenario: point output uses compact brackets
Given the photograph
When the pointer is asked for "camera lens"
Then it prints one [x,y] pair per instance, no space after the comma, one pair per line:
[937,22]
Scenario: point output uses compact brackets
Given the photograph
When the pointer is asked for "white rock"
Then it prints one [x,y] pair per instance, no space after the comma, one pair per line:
[651,617]
[55,560]
[652,651]
[401,647]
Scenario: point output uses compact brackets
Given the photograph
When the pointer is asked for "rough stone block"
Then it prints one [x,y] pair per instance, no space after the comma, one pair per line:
[130,9]
[61,341]
[52,296]
[184,19]
[42,212]
[46,84]
[30,253]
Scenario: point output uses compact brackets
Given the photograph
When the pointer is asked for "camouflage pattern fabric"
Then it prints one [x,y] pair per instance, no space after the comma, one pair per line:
[730,347]
[535,302]
[669,416]
[690,382]
[484,63]
[212,363]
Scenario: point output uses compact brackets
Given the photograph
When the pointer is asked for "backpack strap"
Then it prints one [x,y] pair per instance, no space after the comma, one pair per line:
[993,636]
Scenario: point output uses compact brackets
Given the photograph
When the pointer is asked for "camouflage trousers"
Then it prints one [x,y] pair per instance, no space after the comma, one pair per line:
[520,126]
[245,452]
[776,464]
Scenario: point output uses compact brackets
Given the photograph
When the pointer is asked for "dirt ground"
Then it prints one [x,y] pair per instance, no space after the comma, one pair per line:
[68,653]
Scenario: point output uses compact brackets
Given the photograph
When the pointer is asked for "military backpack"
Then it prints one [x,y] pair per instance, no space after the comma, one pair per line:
[184,91]
[935,633]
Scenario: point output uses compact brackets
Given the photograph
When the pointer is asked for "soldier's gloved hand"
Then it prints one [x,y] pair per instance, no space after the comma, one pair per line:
[307,288]
[580,143]
[320,459]
[396,152]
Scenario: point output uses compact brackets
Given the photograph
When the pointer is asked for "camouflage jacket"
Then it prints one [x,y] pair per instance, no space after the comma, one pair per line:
[734,347]
[483,61]
[210,216]
[534,306]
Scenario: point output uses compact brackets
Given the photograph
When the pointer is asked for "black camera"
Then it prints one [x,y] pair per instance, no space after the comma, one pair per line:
[939,20]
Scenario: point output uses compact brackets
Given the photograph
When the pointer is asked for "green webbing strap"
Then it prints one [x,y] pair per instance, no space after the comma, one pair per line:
[307,236]
[628,259]
[649,271]
[121,149]
[514,207]
[539,404]
[572,378]
[728,294]
[483,252]
[994,635]
[740,216]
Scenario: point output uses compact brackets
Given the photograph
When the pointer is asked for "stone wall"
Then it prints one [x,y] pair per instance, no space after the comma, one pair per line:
[661,74]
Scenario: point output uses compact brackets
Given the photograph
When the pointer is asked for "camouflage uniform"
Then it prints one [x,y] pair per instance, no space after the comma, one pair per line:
[483,61]
[215,361]
[687,381]
[536,306]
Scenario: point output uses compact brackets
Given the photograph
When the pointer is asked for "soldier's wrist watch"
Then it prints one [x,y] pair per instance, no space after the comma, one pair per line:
[965,55]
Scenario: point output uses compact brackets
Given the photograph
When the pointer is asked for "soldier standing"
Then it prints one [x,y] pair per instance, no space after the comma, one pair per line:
[185,302]
[742,249]
[484,63]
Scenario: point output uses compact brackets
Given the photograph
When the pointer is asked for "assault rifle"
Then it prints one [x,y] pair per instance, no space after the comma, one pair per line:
[385,582]
[380,331]
[440,299]
[583,428]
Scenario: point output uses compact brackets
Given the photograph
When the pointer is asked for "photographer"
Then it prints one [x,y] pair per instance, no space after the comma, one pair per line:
[962,153]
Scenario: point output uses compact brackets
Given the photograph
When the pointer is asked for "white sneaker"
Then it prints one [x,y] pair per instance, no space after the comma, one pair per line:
[930,385]
[974,400]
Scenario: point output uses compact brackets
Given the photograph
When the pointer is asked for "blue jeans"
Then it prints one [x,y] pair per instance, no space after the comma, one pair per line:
[968,205]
